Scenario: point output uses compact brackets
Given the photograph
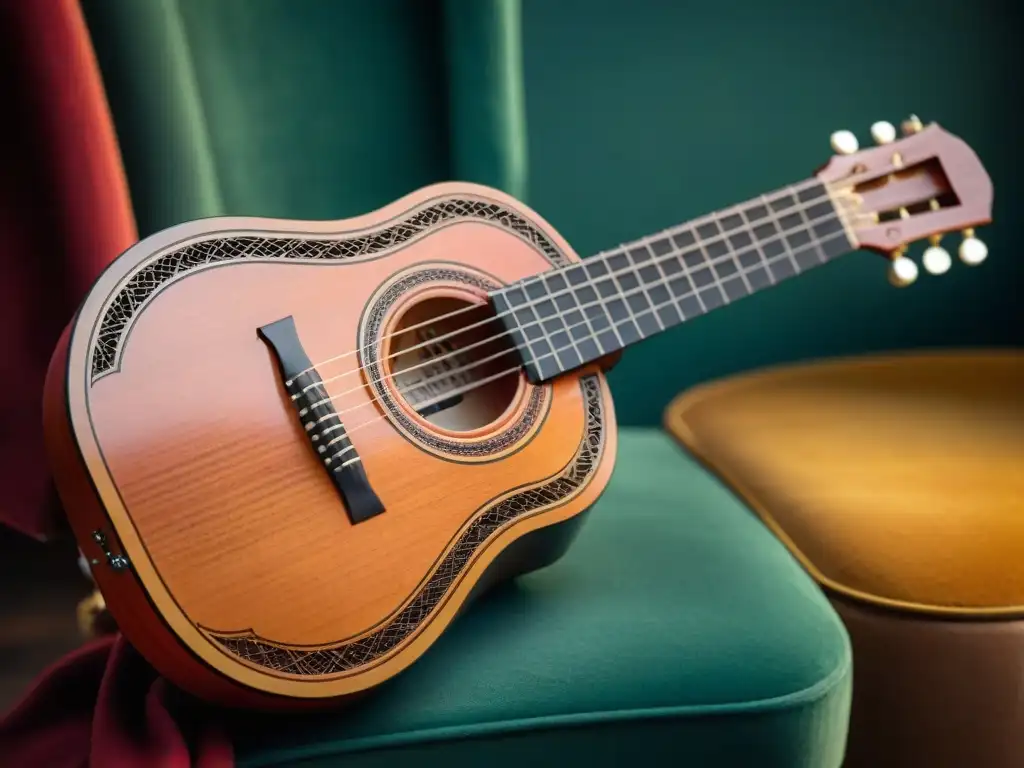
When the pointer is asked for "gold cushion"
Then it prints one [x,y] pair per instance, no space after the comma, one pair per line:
[897,480]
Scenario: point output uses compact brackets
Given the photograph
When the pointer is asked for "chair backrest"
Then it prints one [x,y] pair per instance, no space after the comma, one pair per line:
[612,119]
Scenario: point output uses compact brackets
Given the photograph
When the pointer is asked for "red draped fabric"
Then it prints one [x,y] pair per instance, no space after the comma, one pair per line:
[65,213]
[104,707]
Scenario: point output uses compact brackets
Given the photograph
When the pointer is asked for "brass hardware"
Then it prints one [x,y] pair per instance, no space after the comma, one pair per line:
[972,250]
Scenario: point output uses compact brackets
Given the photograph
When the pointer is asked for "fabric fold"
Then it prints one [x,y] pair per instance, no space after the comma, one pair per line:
[104,706]
[486,97]
[65,213]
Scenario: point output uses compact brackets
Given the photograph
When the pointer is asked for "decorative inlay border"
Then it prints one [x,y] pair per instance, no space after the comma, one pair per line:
[369,337]
[343,657]
[152,275]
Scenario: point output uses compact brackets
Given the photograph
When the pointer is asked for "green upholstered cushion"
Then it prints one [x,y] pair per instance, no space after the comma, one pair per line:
[676,631]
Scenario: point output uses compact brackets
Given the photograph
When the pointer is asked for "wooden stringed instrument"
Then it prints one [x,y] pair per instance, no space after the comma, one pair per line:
[293,451]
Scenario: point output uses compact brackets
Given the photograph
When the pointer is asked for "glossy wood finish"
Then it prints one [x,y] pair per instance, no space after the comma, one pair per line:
[908,174]
[189,453]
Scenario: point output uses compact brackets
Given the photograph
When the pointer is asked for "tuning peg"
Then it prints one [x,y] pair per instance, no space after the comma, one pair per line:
[844,142]
[883,132]
[936,259]
[972,250]
[902,271]
[911,125]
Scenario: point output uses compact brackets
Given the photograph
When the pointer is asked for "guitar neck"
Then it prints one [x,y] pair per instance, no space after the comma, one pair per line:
[564,318]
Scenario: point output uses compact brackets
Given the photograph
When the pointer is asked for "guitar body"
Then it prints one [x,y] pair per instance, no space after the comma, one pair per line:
[292,452]
[215,532]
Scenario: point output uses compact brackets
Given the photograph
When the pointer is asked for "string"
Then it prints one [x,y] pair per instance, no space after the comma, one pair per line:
[444,375]
[692,224]
[620,295]
[494,377]
[371,345]
[632,269]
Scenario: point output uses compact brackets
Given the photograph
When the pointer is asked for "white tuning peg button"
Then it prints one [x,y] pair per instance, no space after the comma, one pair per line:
[902,271]
[936,260]
[972,251]
[883,132]
[844,142]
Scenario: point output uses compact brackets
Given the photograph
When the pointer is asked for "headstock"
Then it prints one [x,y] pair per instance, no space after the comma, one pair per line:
[918,187]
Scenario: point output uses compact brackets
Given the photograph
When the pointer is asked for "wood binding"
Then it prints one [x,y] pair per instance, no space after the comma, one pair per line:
[216,534]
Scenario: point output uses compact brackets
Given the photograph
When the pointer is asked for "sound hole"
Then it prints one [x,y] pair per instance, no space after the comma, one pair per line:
[458,371]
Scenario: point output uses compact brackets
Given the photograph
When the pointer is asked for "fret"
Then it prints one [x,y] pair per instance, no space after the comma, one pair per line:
[774,243]
[656,306]
[619,308]
[700,280]
[671,279]
[605,288]
[551,349]
[804,197]
[724,263]
[781,209]
[658,292]
[589,297]
[824,222]
[680,285]
[781,256]
[568,317]
[521,323]
[707,236]
[755,261]
[689,257]
[702,272]
[735,226]
[797,237]
[555,324]
[647,274]
[582,328]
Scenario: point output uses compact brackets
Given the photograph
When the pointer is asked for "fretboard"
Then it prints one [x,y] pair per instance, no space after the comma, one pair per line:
[564,318]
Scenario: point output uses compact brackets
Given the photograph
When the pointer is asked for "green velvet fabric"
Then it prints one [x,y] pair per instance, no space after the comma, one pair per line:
[676,631]
[301,110]
[613,119]
[486,99]
[312,110]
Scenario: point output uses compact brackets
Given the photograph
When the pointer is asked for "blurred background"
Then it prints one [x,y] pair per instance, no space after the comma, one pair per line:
[611,118]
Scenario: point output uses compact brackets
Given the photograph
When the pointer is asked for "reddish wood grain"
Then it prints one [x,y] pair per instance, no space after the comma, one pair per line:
[197,463]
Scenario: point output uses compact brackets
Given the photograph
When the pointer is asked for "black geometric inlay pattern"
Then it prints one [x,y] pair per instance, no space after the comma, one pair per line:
[346,656]
[149,277]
